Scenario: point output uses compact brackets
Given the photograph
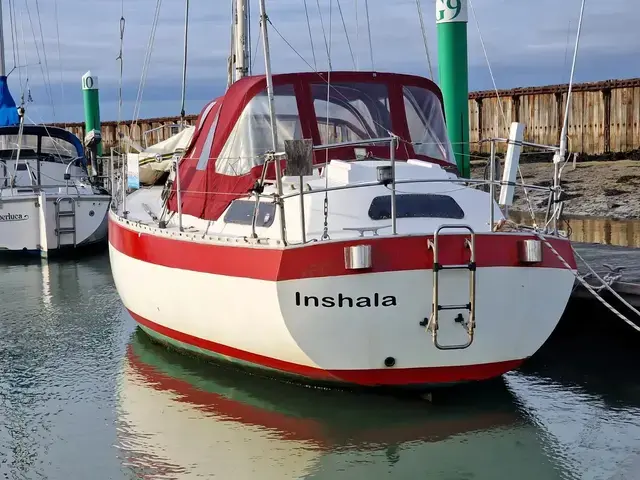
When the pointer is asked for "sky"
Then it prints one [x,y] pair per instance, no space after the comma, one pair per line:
[528,43]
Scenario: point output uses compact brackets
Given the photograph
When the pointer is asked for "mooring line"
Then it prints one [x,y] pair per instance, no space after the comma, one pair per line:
[589,287]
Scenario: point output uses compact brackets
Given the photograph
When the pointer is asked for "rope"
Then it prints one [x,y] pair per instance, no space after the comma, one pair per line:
[589,287]
[607,285]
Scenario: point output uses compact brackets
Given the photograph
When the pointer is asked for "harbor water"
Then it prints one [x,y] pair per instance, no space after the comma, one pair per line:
[84,394]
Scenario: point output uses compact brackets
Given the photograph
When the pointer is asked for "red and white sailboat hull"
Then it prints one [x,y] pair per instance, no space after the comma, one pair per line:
[298,311]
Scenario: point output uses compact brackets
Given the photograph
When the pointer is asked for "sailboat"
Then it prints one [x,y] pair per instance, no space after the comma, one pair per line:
[48,202]
[317,229]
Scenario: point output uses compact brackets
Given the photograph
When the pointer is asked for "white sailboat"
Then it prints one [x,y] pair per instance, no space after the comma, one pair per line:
[356,257]
[48,203]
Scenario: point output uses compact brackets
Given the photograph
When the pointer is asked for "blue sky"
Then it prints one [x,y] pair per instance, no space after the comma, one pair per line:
[529,42]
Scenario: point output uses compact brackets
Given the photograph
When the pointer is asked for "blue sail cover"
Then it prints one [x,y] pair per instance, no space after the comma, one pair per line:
[8,110]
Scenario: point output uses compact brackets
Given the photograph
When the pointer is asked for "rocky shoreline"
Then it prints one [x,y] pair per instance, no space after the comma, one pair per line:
[608,189]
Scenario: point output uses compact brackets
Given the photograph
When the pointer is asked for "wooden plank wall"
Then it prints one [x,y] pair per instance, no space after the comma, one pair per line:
[604,118]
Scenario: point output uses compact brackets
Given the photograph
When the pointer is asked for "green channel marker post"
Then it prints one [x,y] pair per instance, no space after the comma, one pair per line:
[451,19]
[93,136]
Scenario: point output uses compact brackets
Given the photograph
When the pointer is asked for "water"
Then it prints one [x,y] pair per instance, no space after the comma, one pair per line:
[83,394]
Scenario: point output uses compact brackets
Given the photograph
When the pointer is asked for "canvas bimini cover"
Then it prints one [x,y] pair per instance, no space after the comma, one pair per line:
[233,132]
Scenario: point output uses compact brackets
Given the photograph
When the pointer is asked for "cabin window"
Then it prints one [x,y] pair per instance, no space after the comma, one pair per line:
[426,123]
[356,111]
[416,205]
[240,212]
[251,136]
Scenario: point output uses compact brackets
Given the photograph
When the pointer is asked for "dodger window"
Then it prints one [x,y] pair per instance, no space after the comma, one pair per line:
[355,111]
[251,135]
[416,205]
[426,124]
[241,213]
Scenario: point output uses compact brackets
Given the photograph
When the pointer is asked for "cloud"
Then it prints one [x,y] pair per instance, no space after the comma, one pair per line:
[529,42]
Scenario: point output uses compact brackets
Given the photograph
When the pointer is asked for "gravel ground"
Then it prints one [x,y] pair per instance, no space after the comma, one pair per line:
[597,189]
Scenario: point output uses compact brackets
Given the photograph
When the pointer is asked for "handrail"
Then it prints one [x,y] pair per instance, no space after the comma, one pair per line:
[278,197]
[551,148]
[416,180]
[354,143]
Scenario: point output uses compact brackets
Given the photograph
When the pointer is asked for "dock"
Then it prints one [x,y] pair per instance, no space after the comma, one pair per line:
[618,266]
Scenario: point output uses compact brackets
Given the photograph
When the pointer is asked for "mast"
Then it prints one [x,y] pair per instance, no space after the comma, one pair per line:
[241,45]
[272,115]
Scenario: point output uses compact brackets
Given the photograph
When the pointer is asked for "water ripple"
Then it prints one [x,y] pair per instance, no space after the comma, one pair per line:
[83,394]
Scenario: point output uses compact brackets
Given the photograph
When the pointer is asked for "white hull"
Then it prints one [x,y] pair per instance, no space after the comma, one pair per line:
[267,324]
[22,227]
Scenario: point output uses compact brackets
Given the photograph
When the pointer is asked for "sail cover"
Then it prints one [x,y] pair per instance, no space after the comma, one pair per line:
[227,152]
[8,110]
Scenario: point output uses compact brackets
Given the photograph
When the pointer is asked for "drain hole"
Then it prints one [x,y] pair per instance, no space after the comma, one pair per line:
[389,361]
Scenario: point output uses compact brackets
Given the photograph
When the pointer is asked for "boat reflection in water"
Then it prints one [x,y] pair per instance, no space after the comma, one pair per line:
[179,418]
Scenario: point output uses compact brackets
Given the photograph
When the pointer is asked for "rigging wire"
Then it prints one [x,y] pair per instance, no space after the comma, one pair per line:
[14,45]
[313,50]
[248,41]
[423,30]
[55,6]
[366,7]
[146,63]
[120,58]
[35,41]
[44,54]
[501,108]
[26,59]
[346,33]
[184,63]
[357,36]
[324,34]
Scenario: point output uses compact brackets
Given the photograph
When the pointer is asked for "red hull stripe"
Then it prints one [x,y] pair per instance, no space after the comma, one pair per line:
[389,254]
[374,377]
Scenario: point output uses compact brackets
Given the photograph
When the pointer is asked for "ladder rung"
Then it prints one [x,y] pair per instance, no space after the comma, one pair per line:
[67,214]
[66,230]
[455,307]
[467,266]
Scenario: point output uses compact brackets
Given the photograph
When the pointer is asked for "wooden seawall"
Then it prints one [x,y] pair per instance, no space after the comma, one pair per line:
[604,117]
